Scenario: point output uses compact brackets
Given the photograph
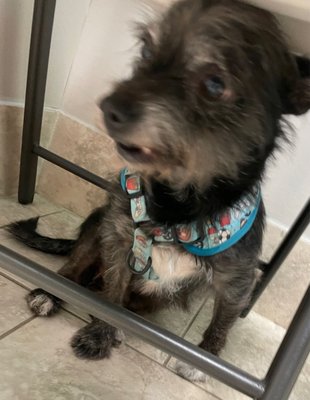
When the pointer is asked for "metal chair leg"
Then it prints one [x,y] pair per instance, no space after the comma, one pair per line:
[42,26]
[291,355]
[270,269]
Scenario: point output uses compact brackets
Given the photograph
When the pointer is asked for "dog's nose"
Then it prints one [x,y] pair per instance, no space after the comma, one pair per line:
[117,113]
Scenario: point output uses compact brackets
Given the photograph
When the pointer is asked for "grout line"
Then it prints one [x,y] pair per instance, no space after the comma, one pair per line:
[208,296]
[194,383]
[52,213]
[20,284]
[28,320]
[207,391]
[143,354]
[12,103]
[166,362]
[12,279]
[283,228]
[74,314]
[187,328]
[23,286]
[61,208]
[172,371]
[12,330]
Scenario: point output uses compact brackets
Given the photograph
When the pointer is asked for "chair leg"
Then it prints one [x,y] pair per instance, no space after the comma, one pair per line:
[291,355]
[42,26]
[270,269]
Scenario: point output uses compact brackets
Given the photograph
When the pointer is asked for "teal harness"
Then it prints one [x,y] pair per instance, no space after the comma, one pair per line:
[212,237]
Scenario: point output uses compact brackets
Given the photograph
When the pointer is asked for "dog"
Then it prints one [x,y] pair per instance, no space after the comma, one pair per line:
[196,123]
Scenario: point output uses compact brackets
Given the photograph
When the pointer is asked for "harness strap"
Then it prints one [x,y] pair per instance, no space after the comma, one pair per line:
[208,239]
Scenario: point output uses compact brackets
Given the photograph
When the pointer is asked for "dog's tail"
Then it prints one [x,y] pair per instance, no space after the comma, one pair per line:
[25,231]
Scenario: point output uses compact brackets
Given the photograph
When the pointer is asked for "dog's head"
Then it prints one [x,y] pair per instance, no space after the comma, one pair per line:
[206,96]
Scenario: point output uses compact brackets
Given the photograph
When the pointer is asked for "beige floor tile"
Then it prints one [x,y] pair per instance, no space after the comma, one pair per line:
[64,224]
[174,320]
[283,295]
[60,224]
[53,263]
[13,309]
[11,210]
[46,260]
[272,238]
[251,346]
[37,364]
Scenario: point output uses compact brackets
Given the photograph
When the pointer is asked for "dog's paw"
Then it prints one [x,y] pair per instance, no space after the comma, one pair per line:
[95,340]
[190,373]
[42,303]
[119,338]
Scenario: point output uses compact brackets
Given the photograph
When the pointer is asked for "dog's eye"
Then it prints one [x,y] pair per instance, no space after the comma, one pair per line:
[215,86]
[146,51]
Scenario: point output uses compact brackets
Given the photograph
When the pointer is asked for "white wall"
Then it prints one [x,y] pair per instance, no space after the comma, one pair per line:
[287,184]
[15,30]
[105,52]
[15,25]
[70,17]
[299,9]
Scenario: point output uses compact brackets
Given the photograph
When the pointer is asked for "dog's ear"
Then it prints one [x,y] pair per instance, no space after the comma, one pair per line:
[297,98]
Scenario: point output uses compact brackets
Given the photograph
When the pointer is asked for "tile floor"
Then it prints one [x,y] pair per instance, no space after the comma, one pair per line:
[36,361]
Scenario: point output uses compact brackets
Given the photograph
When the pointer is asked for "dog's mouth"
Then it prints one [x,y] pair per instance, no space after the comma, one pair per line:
[134,153]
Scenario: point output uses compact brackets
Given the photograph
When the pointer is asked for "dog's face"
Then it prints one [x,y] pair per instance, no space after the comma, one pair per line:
[206,95]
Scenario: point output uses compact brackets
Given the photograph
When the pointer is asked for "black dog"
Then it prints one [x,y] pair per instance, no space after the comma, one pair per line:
[197,121]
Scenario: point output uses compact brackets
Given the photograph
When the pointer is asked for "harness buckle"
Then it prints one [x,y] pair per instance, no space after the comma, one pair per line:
[131,262]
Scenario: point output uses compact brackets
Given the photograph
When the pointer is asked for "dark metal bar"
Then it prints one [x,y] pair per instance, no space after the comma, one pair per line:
[270,269]
[42,26]
[290,240]
[124,319]
[291,355]
[73,168]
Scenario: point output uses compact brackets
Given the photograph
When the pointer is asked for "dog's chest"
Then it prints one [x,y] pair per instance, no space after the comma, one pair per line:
[172,267]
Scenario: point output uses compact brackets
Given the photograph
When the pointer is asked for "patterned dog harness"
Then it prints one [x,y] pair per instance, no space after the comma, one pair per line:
[207,239]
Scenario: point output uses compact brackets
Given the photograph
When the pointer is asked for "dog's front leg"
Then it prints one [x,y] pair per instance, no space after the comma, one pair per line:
[231,298]
[96,340]
[83,256]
